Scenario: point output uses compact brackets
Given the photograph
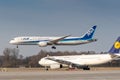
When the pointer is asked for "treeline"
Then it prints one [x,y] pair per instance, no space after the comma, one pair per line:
[12,58]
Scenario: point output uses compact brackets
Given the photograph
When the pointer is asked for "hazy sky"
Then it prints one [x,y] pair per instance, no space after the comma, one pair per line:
[59,18]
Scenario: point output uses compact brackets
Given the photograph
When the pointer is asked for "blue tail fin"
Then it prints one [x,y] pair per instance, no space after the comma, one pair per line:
[116,47]
[89,33]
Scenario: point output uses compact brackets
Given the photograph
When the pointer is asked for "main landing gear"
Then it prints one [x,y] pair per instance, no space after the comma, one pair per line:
[46,68]
[86,68]
[53,47]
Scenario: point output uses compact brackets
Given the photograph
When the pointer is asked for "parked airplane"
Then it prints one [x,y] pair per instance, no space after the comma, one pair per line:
[82,61]
[65,40]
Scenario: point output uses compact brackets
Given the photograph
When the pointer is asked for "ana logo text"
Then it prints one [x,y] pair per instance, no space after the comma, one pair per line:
[90,31]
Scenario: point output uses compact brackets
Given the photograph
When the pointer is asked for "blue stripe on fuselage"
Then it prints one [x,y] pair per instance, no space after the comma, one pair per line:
[74,39]
[68,39]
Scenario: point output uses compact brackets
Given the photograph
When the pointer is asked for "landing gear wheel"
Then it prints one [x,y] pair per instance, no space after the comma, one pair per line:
[86,68]
[46,68]
[17,46]
[53,47]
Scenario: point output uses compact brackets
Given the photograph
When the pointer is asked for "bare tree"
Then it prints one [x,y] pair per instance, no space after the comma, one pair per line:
[10,57]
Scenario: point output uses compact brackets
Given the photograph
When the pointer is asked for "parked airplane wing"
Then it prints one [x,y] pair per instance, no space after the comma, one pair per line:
[56,40]
[65,62]
[115,57]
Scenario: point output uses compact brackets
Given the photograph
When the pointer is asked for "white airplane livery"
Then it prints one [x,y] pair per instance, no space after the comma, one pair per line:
[65,40]
[82,61]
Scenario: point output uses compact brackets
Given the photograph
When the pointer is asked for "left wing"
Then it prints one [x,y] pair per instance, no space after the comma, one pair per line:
[66,62]
[56,40]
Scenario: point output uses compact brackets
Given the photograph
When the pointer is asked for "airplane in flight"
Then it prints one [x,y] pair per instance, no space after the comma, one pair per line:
[65,40]
[81,61]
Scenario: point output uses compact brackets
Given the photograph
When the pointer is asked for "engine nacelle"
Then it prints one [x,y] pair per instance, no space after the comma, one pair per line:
[55,66]
[42,44]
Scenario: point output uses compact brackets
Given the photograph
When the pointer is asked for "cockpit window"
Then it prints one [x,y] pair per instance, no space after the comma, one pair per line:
[13,39]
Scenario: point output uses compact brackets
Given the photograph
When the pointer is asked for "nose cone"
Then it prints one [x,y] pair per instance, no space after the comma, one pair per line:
[40,62]
[12,42]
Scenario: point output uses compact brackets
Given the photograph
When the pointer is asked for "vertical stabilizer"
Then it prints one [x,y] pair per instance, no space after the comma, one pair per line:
[116,46]
[89,34]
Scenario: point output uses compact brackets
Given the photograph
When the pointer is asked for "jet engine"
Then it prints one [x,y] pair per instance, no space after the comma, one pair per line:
[56,66]
[42,44]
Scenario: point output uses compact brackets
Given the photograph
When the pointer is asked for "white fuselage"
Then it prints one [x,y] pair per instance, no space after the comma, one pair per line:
[63,40]
[78,59]
[37,40]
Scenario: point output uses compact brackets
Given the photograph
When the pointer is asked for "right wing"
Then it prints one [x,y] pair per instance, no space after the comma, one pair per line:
[56,40]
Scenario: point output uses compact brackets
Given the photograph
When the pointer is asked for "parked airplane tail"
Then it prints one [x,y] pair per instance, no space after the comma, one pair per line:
[116,47]
[89,34]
